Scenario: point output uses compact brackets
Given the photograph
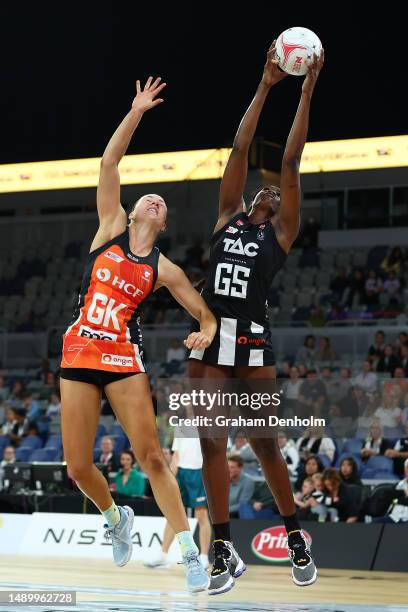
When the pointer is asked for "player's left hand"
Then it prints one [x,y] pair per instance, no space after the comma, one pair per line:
[198,340]
[314,67]
[272,74]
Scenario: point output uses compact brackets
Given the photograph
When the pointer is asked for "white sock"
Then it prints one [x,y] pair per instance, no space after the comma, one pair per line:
[112,515]
[204,559]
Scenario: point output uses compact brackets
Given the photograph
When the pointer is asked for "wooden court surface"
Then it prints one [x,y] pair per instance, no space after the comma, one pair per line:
[263,584]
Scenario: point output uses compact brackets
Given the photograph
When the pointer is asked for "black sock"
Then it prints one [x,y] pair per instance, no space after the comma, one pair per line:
[291,523]
[222,532]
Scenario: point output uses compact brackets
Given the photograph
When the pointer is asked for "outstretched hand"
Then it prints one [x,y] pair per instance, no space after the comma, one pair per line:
[272,74]
[314,67]
[146,99]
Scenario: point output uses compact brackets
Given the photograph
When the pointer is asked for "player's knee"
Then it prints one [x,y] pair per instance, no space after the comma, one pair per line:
[201,515]
[153,461]
[79,470]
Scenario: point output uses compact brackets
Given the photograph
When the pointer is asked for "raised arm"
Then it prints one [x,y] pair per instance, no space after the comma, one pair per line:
[112,217]
[289,212]
[173,277]
[235,174]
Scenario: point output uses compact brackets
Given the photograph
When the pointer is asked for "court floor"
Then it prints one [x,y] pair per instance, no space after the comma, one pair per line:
[102,587]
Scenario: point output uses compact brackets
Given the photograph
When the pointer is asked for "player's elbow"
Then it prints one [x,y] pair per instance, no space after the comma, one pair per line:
[108,161]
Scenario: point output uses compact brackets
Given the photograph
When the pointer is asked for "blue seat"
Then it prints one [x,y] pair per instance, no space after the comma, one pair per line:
[116,430]
[23,453]
[381,475]
[4,441]
[54,441]
[352,446]
[121,443]
[101,431]
[42,454]
[32,442]
[325,460]
[380,463]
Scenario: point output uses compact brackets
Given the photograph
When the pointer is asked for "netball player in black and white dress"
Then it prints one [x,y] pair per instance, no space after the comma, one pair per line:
[248,248]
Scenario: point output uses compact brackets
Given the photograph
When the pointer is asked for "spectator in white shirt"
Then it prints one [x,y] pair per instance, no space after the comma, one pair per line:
[315,442]
[366,380]
[289,453]
[176,351]
[392,284]
[9,456]
[54,406]
[389,413]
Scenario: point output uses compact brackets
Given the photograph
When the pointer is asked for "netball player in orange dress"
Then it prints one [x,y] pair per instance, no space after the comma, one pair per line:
[102,347]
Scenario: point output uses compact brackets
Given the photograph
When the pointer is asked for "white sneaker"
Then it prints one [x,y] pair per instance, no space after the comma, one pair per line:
[160,562]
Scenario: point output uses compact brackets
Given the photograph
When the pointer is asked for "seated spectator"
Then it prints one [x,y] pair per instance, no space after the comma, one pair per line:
[9,456]
[366,380]
[242,448]
[261,505]
[54,406]
[312,465]
[18,391]
[289,453]
[339,284]
[291,391]
[393,261]
[31,407]
[392,286]
[399,453]
[404,414]
[376,350]
[304,498]
[107,456]
[373,287]
[374,444]
[49,387]
[388,361]
[325,352]
[337,496]
[398,512]
[4,390]
[241,486]
[389,413]
[176,351]
[302,369]
[306,353]
[349,471]
[128,480]
[317,317]
[317,506]
[315,442]
[403,359]
[312,396]
[355,294]
[16,425]
[337,389]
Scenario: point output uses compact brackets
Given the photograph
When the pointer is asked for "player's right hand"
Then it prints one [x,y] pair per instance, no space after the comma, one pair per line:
[146,99]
